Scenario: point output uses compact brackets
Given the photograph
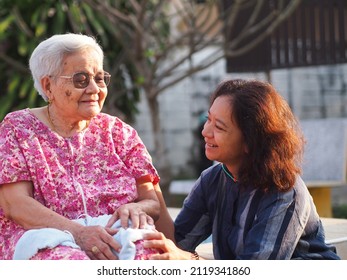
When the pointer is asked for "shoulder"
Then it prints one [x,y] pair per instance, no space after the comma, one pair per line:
[297,197]
[301,192]
[212,172]
[15,126]
[17,120]
[117,129]
[17,115]
[107,121]
[213,176]
[210,179]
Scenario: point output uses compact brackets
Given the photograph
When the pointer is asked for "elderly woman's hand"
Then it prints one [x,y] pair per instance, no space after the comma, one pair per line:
[98,242]
[132,212]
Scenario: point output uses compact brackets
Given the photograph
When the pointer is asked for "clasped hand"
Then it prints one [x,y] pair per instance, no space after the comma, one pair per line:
[98,241]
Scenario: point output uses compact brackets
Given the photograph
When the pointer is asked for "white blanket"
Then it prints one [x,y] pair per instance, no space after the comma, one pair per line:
[35,239]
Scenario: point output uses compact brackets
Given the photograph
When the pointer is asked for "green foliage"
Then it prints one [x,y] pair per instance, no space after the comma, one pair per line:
[340,211]
[25,23]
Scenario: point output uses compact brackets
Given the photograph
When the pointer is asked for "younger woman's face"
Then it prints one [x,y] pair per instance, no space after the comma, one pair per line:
[224,140]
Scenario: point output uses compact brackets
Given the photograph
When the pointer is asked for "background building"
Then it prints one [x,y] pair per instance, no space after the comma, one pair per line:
[305,59]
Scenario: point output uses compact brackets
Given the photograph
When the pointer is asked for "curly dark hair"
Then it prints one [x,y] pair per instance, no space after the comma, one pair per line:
[271,132]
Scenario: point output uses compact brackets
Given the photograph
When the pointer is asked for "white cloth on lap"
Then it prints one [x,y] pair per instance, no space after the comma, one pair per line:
[35,239]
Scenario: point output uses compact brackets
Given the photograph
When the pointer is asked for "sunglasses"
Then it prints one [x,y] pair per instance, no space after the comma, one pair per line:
[82,79]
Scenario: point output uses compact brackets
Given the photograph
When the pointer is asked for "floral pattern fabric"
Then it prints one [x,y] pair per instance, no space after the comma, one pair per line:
[99,165]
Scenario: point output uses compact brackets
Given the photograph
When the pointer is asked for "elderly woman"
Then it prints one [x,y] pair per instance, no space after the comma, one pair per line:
[253,202]
[68,172]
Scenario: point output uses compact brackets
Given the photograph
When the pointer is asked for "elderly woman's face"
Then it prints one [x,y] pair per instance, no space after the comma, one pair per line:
[69,98]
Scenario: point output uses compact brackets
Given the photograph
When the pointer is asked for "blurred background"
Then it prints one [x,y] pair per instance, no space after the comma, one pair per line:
[166,57]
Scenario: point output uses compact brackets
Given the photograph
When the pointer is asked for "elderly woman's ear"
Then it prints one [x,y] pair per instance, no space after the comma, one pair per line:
[46,86]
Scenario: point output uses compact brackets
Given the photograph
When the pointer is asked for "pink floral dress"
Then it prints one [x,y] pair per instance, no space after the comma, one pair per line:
[103,162]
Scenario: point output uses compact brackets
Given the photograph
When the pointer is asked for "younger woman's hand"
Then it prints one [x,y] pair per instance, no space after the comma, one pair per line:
[157,240]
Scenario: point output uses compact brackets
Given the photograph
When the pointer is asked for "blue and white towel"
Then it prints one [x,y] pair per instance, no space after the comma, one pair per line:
[35,239]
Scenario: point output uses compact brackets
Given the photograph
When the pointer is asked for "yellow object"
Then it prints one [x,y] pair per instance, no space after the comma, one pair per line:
[322,199]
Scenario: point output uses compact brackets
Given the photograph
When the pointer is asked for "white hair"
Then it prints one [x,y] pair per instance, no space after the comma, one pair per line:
[47,58]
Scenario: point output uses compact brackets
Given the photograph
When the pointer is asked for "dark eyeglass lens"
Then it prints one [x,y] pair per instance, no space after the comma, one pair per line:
[81,80]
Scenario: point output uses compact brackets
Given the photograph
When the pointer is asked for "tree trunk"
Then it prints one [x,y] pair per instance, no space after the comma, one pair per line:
[159,155]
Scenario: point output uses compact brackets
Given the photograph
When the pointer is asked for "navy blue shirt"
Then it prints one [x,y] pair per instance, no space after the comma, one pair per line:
[247,223]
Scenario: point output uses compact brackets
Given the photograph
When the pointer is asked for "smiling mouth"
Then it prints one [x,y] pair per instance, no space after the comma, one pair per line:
[211,145]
